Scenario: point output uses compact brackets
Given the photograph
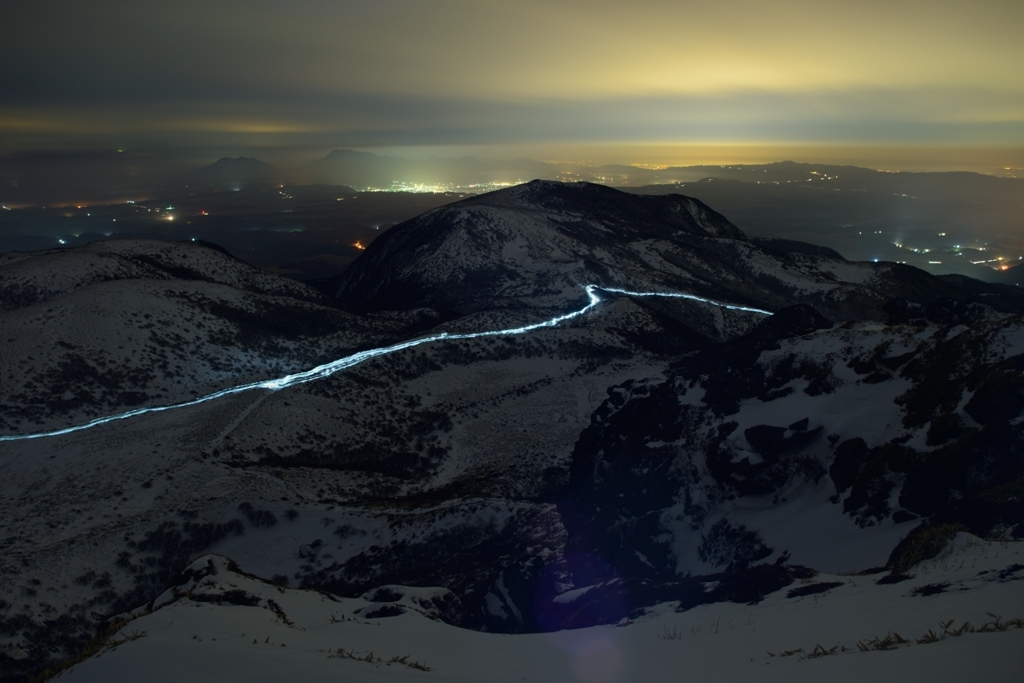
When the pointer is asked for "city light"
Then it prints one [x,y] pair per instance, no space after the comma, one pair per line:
[441,188]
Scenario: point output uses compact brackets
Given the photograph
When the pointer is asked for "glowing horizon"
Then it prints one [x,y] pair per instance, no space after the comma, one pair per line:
[290,74]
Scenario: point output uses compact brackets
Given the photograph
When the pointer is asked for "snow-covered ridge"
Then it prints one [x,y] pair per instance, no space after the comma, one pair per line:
[327,369]
[28,278]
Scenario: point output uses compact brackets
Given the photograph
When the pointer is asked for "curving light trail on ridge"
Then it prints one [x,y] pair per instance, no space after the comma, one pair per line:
[328,369]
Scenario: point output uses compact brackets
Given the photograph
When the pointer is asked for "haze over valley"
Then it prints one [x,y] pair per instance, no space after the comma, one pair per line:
[297,222]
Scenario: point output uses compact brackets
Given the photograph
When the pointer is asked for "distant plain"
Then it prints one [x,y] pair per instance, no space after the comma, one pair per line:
[311,227]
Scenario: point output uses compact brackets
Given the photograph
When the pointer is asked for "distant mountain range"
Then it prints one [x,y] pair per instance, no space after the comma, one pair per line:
[364,170]
[941,222]
[235,173]
[944,223]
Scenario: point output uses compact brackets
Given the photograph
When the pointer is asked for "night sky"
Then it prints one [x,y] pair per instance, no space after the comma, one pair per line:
[542,78]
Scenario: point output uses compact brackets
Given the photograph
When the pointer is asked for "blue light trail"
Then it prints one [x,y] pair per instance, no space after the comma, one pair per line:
[328,369]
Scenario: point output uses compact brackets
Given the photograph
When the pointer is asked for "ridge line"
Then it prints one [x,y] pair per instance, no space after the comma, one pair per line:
[327,369]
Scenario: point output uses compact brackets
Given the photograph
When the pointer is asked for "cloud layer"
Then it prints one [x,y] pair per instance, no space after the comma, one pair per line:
[435,72]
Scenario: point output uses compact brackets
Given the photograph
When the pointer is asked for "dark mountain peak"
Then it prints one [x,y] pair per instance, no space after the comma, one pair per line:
[348,167]
[238,162]
[635,215]
[543,193]
[537,244]
[236,171]
[348,155]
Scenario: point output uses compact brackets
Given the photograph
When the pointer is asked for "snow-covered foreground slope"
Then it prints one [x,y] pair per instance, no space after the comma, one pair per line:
[226,626]
[117,325]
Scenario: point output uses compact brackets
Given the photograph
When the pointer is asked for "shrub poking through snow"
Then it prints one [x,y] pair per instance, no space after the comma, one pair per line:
[257,517]
[893,640]
[923,543]
[369,658]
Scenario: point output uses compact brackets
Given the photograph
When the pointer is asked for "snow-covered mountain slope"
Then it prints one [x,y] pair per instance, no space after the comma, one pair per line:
[115,325]
[648,452]
[954,618]
[28,278]
[808,443]
[499,411]
[534,244]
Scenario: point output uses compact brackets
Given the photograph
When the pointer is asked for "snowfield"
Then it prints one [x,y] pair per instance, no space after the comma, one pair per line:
[328,639]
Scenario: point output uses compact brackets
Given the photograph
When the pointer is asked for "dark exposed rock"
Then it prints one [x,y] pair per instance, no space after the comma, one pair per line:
[734,547]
